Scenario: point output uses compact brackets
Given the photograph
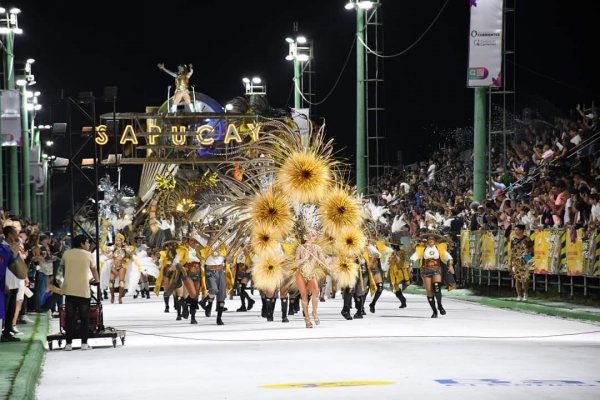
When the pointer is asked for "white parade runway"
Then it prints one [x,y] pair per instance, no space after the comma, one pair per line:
[474,352]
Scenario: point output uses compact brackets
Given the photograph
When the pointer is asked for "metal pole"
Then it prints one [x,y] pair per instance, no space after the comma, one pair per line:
[297,76]
[360,103]
[479,145]
[25,154]
[13,150]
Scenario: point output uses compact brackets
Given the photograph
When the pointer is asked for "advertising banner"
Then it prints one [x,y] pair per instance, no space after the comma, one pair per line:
[10,114]
[488,251]
[574,252]
[485,43]
[465,249]
[541,252]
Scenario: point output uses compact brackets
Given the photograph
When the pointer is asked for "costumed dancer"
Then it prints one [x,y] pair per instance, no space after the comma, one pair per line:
[399,273]
[141,250]
[431,256]
[118,257]
[521,249]
[214,269]
[311,263]
[375,271]
[244,273]
[187,263]
[361,287]
[166,274]
[182,80]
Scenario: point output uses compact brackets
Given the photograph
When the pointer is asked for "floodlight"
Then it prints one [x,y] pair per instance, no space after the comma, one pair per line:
[301,39]
[256,79]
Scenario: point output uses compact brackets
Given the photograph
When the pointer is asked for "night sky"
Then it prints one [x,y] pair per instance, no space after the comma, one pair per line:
[85,46]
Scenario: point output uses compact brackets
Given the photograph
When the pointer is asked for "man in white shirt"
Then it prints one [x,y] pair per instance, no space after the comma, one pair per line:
[595,213]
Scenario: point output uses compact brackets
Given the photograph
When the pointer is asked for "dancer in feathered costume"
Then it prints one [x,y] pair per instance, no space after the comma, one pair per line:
[118,257]
[399,273]
[187,263]
[166,274]
[283,172]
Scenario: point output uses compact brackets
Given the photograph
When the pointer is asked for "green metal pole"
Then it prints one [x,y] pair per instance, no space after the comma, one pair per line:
[479,145]
[297,75]
[48,205]
[36,213]
[13,150]
[25,154]
[360,103]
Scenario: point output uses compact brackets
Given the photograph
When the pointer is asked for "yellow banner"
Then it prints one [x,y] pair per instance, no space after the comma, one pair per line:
[465,249]
[488,254]
[541,250]
[575,253]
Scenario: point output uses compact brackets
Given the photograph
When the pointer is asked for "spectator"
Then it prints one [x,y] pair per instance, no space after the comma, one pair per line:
[10,260]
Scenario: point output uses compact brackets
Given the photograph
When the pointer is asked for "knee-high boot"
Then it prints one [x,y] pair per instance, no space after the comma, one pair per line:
[431,301]
[376,297]
[220,308]
[121,291]
[437,290]
[292,305]
[284,309]
[359,307]
[185,311]
[347,296]
[166,300]
[208,308]
[242,289]
[401,297]
[177,301]
[270,306]
[193,315]
[111,288]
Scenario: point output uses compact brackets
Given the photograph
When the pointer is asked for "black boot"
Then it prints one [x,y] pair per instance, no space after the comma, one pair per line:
[203,302]
[147,293]
[192,303]
[166,299]
[269,305]
[284,310]
[402,299]
[297,305]
[437,292]
[137,293]
[376,297]
[432,305]
[177,301]
[193,315]
[250,302]
[208,308]
[185,311]
[242,298]
[292,306]
[358,306]
[220,308]
[364,301]
[263,311]
[105,293]
[347,296]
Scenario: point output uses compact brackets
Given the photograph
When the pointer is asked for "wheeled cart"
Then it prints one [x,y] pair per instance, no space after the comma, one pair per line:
[96,327]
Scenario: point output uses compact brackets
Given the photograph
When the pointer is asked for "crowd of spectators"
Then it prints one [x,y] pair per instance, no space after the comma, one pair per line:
[39,292]
[546,176]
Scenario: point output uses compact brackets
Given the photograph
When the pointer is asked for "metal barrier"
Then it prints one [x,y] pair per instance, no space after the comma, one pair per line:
[566,259]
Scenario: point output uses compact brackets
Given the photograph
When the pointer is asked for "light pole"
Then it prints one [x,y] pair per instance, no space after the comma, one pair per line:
[26,108]
[254,87]
[299,52]
[361,8]
[9,28]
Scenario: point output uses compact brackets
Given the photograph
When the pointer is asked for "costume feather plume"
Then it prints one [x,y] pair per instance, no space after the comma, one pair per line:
[398,223]
[345,271]
[267,273]
[304,177]
[351,241]
[271,208]
[339,210]
[262,239]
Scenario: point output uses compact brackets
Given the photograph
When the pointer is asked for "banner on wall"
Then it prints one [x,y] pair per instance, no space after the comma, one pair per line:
[10,115]
[541,251]
[485,43]
[488,251]
[575,253]
[465,249]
